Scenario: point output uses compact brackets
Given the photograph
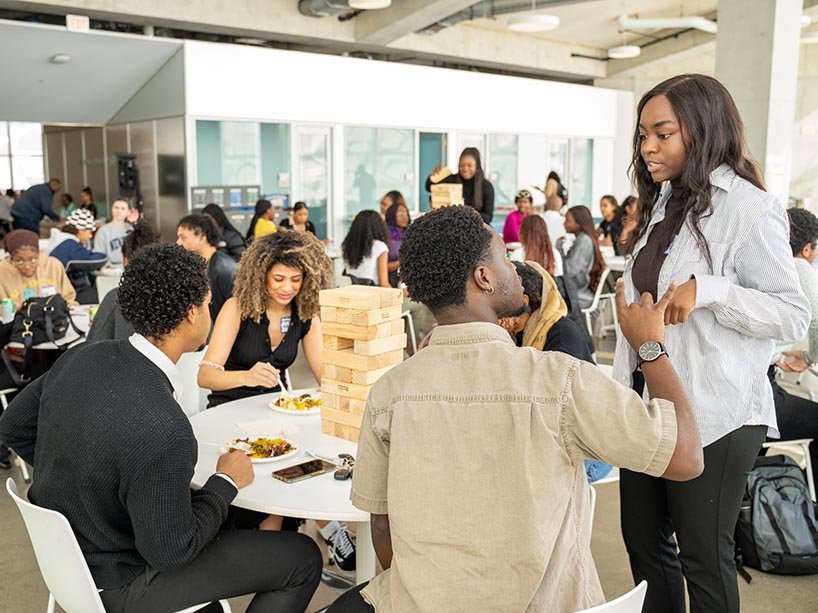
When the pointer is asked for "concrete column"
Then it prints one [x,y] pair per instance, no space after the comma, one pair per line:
[757,59]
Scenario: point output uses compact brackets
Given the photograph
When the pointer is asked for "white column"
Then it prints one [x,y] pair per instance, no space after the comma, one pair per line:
[757,60]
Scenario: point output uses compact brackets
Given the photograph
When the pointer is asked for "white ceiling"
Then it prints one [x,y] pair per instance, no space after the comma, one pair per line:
[106,70]
[594,24]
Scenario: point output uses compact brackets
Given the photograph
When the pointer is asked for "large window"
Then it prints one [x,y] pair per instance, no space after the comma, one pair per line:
[21,155]
[502,167]
[378,160]
[582,165]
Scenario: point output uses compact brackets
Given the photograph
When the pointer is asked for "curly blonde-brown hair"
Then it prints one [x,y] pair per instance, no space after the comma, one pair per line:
[294,249]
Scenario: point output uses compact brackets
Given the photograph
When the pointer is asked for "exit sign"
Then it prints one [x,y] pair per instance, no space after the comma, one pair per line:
[77,23]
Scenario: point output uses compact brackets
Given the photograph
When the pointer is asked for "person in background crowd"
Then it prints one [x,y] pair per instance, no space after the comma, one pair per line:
[798,417]
[66,205]
[478,192]
[704,221]
[87,201]
[629,208]
[554,219]
[199,234]
[554,187]
[77,233]
[232,242]
[435,465]
[511,229]
[366,250]
[390,199]
[35,203]
[109,324]
[397,220]
[133,213]
[583,264]
[6,202]
[26,273]
[536,246]
[115,455]
[110,236]
[300,221]
[609,208]
[263,222]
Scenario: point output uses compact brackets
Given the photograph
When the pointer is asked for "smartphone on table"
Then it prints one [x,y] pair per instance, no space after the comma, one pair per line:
[302,471]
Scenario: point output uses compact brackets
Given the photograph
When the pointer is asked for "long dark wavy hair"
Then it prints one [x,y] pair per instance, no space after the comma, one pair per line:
[713,134]
[479,176]
[585,221]
[366,228]
[537,244]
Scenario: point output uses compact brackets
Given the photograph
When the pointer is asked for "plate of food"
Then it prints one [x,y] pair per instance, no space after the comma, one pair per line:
[305,404]
[263,449]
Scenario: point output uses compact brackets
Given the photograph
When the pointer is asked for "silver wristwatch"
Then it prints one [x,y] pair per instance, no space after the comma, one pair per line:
[650,352]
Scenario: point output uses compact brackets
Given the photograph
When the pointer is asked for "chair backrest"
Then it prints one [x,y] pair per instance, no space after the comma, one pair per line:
[592,507]
[85,265]
[61,562]
[629,603]
[599,289]
[188,366]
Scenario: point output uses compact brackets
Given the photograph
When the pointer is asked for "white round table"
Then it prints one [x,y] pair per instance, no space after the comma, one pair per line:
[321,497]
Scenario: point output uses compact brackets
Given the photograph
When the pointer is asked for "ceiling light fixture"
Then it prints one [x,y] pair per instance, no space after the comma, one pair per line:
[61,58]
[624,52]
[533,23]
[369,5]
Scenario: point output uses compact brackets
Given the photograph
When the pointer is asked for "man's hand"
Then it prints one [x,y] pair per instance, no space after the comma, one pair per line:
[236,465]
[796,363]
[683,303]
[644,322]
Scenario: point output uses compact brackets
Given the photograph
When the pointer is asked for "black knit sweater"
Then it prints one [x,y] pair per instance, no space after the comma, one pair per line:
[115,454]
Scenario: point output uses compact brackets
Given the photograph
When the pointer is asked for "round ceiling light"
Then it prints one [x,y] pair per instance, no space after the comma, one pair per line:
[624,52]
[533,23]
[368,5]
[61,58]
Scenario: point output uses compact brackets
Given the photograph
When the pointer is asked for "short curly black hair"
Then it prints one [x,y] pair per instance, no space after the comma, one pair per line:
[439,251]
[803,229]
[201,224]
[159,286]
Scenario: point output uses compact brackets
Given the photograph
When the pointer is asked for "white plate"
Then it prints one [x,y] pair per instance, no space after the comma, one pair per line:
[277,458]
[313,411]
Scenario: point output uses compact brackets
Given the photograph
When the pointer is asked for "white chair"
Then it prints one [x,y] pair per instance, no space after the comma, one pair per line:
[411,326]
[188,366]
[799,450]
[595,303]
[61,562]
[18,460]
[593,507]
[629,603]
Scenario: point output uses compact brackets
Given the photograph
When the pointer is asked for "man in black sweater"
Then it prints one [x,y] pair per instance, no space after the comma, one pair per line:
[115,454]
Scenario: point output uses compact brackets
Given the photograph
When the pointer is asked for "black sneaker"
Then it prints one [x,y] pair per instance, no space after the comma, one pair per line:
[341,549]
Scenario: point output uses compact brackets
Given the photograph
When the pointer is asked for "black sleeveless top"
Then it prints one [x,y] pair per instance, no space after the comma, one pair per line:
[253,345]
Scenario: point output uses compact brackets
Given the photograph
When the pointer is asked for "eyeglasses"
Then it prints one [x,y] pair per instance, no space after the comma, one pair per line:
[20,263]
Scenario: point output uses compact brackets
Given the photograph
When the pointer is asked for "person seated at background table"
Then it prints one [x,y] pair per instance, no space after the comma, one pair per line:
[583,264]
[263,222]
[391,198]
[274,308]
[397,220]
[110,236]
[511,229]
[232,242]
[536,246]
[366,250]
[66,205]
[26,273]
[554,219]
[77,232]
[798,417]
[199,234]
[629,221]
[34,204]
[109,324]
[300,221]
[115,454]
[480,479]
[478,192]
[87,201]
[611,220]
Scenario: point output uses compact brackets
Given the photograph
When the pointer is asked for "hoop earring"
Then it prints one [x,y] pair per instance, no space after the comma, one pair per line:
[489,292]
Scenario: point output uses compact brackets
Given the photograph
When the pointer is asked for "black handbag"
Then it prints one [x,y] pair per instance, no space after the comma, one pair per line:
[39,320]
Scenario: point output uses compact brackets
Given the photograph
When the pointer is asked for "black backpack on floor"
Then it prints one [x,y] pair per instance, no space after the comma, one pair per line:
[777,530]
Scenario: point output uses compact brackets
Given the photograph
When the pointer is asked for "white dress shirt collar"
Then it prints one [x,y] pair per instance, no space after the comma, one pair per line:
[162,362]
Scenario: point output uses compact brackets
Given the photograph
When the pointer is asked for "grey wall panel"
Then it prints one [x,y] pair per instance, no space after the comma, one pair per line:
[117,142]
[53,153]
[95,165]
[144,147]
[172,183]
[73,181]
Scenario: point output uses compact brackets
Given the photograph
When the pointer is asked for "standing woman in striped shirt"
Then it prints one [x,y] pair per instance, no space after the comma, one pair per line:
[705,222]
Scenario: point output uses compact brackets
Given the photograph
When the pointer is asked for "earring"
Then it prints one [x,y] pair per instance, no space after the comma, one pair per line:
[489,291]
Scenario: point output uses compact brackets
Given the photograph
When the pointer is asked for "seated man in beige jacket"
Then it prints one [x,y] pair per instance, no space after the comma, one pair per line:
[470,456]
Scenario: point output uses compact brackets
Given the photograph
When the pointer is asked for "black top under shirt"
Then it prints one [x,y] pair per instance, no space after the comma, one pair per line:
[487,210]
[252,345]
[565,337]
[651,257]
[286,224]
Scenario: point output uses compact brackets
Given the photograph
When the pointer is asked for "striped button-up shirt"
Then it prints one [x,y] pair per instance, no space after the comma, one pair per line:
[750,299]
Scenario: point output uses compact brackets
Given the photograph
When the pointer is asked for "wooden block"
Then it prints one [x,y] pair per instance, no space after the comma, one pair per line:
[364,333]
[440,174]
[349,359]
[338,373]
[337,343]
[381,345]
[349,390]
[330,400]
[366,377]
[342,431]
[361,297]
[328,427]
[329,314]
[364,317]
[356,406]
[341,417]
[353,434]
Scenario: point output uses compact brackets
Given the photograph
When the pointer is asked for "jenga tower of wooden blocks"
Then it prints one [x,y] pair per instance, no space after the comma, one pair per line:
[446,194]
[363,338]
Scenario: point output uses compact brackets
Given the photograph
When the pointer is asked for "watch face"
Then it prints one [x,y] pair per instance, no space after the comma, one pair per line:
[650,351]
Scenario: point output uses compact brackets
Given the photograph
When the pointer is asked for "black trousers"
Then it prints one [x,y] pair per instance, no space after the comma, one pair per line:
[797,418]
[351,601]
[283,569]
[703,514]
